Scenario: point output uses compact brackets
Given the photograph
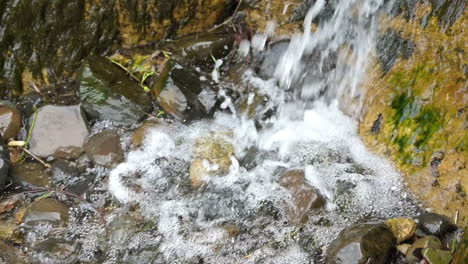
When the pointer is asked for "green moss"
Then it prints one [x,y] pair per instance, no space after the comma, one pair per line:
[414,125]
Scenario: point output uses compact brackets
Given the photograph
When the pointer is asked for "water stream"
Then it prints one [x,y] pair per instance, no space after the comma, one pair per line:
[242,216]
[319,73]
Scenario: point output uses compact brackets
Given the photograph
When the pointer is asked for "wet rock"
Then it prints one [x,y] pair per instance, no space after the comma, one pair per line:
[212,157]
[362,243]
[198,49]
[4,164]
[54,250]
[10,121]
[402,228]
[414,254]
[63,171]
[435,224]
[104,149]
[30,174]
[437,256]
[270,59]
[182,93]
[9,254]
[107,93]
[139,135]
[461,253]
[66,33]
[46,210]
[305,197]
[59,131]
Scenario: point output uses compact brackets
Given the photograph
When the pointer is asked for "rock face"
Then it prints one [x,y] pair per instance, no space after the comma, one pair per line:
[71,30]
[60,131]
[10,122]
[304,196]
[363,243]
[4,164]
[106,92]
[104,148]
[414,112]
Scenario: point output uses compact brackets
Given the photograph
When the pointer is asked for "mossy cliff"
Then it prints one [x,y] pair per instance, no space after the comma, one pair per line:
[43,42]
[416,110]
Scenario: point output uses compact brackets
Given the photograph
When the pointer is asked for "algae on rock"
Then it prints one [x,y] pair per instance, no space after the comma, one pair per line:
[420,108]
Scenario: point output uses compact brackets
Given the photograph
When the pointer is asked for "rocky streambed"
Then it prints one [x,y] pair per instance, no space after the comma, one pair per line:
[223,146]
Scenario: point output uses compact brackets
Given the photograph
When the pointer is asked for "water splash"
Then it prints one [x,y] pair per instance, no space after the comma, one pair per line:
[308,132]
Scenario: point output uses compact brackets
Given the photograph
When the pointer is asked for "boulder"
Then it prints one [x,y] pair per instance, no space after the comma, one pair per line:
[104,148]
[107,93]
[435,225]
[362,243]
[402,228]
[59,131]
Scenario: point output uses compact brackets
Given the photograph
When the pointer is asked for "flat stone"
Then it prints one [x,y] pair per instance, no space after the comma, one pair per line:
[10,122]
[60,131]
[46,210]
[104,149]
[402,228]
[362,243]
[31,173]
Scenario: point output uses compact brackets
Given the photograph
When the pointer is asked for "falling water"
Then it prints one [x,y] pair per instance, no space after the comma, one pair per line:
[317,75]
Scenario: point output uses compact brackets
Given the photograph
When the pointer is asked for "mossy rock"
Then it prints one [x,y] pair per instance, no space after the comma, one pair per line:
[414,109]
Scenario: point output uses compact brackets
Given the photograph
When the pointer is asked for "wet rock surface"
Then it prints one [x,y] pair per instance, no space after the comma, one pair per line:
[4,164]
[58,131]
[414,254]
[402,228]
[30,173]
[74,29]
[304,196]
[182,93]
[364,243]
[10,121]
[10,254]
[435,224]
[107,93]
[104,148]
[46,210]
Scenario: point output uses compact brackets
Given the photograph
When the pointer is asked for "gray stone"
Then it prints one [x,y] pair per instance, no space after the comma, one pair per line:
[59,131]
[362,243]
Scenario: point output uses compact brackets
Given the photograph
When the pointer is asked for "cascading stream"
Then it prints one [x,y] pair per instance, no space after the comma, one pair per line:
[320,72]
